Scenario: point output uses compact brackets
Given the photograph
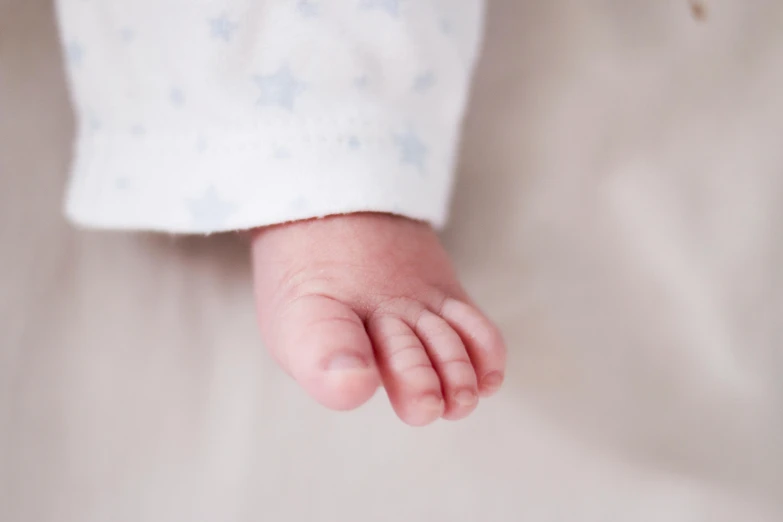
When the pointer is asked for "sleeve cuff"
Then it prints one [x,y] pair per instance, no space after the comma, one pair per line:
[239,180]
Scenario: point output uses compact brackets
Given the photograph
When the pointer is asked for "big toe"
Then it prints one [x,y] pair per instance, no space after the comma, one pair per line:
[323,344]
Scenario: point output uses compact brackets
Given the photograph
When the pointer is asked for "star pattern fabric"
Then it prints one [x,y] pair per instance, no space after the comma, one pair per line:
[222,28]
[210,211]
[391,7]
[412,149]
[279,89]
[309,8]
[226,117]
[424,81]
[74,53]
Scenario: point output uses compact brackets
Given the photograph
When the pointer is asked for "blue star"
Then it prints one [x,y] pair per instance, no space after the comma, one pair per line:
[354,143]
[412,150]
[308,8]
[74,52]
[279,89]
[127,35]
[361,82]
[281,153]
[300,204]
[94,123]
[222,28]
[445,26]
[177,97]
[390,6]
[424,82]
[210,211]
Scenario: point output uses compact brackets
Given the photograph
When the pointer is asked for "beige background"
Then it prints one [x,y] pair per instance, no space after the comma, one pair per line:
[620,212]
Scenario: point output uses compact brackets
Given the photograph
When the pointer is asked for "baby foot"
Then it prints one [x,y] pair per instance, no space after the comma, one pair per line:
[349,302]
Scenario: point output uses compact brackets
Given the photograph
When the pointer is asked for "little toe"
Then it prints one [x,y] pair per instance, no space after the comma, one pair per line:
[324,345]
[451,360]
[411,382]
[483,341]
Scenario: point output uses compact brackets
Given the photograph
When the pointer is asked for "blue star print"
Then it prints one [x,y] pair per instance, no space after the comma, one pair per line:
[281,153]
[412,150]
[222,28]
[75,53]
[308,8]
[210,211]
[127,35]
[177,97]
[279,89]
[94,123]
[445,26]
[390,6]
[300,204]
[424,82]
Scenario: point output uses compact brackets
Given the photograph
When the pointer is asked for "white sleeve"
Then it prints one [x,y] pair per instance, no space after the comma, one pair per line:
[204,115]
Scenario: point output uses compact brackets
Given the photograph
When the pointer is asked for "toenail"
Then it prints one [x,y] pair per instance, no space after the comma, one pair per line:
[492,382]
[347,362]
[466,398]
[431,402]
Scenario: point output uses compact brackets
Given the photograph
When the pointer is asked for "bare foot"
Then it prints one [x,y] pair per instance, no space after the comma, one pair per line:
[349,302]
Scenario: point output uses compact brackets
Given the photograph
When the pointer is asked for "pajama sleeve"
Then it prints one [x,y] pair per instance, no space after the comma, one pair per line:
[198,116]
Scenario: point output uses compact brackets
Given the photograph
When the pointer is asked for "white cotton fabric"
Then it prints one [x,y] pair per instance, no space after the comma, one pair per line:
[199,116]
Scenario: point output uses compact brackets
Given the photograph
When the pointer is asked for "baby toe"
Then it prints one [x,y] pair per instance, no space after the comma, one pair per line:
[323,344]
[411,382]
[451,360]
[483,341]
